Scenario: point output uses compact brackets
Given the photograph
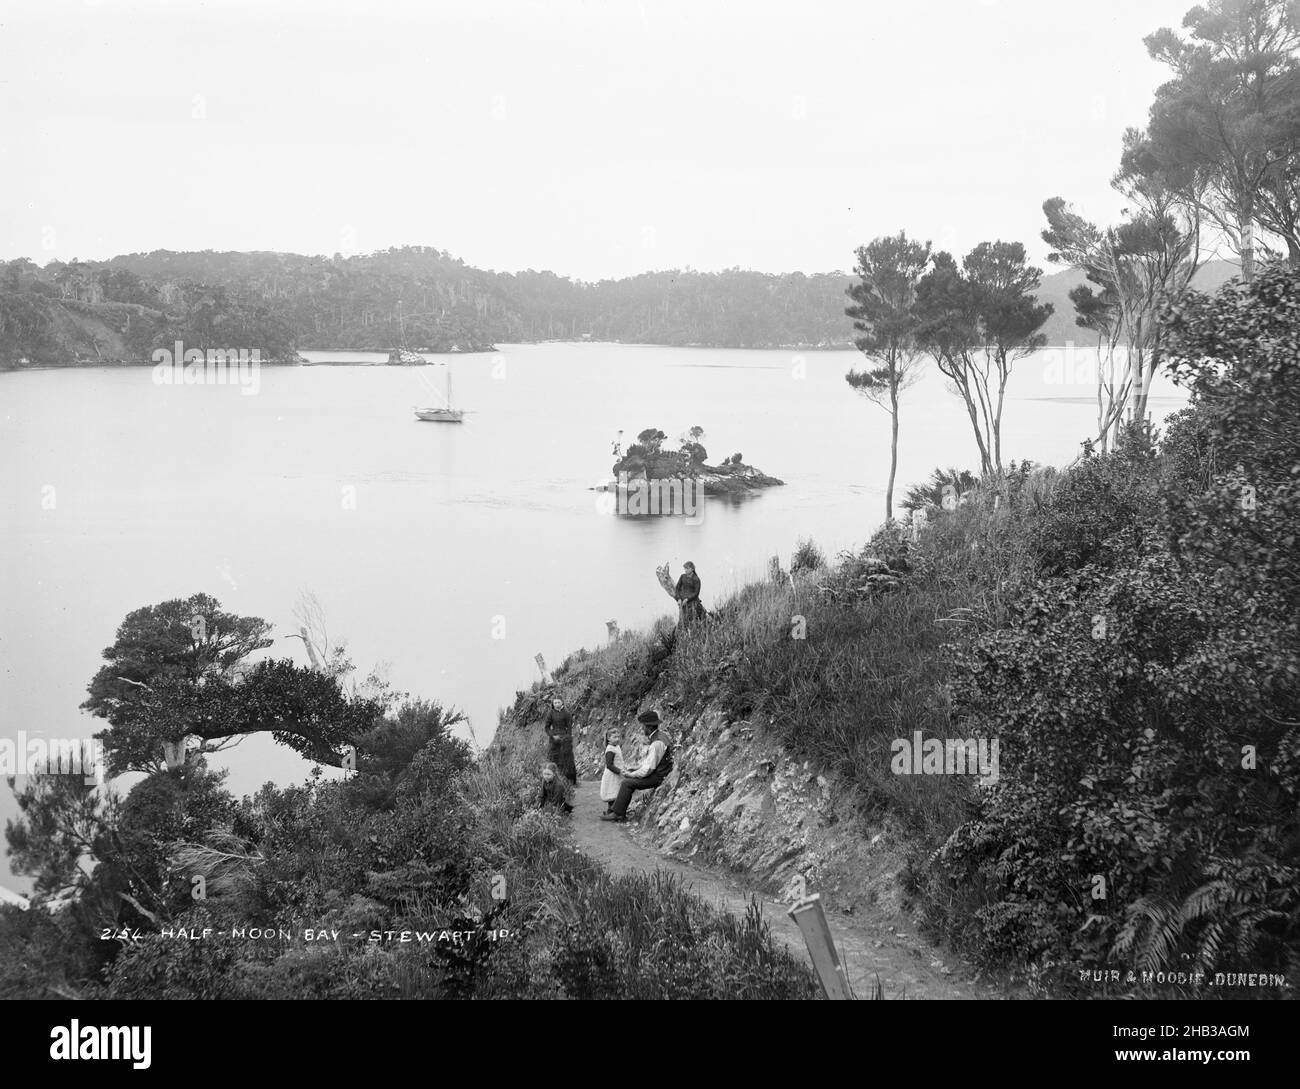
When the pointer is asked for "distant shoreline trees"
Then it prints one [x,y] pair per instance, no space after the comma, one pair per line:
[354,302]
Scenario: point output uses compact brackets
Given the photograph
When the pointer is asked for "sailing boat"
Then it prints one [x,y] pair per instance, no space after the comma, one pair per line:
[403,356]
[445,414]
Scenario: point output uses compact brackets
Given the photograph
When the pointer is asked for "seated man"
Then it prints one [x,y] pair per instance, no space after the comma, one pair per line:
[652,771]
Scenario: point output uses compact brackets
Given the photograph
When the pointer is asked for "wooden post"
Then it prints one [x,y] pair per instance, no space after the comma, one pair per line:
[816,932]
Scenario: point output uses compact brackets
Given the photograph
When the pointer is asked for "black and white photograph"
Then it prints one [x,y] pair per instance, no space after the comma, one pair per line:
[662,500]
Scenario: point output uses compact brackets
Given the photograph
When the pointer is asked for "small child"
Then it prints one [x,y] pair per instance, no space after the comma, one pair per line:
[554,792]
[609,781]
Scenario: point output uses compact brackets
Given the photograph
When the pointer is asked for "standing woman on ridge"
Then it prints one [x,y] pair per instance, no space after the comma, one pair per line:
[687,594]
[559,733]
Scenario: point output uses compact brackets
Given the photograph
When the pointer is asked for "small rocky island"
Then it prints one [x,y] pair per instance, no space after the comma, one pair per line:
[649,459]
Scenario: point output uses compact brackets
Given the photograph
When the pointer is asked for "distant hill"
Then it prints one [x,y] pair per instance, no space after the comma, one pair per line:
[353,302]
[1056,287]
[123,308]
[79,312]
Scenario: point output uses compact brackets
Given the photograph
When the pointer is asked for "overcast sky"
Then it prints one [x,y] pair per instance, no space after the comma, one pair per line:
[592,138]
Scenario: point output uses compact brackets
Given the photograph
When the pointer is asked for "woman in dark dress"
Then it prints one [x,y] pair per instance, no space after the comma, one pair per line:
[559,732]
[687,594]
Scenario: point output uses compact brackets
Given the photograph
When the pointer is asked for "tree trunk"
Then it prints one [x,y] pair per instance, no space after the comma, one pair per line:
[1137,372]
[955,368]
[893,453]
[1003,371]
[1103,425]
[1246,219]
[1148,360]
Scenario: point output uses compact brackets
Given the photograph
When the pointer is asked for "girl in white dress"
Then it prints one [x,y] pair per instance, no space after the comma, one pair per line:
[609,781]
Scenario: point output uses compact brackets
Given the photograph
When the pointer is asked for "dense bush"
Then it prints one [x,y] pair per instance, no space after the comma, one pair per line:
[1146,689]
[420,839]
[1098,512]
[807,558]
[944,484]
[1128,629]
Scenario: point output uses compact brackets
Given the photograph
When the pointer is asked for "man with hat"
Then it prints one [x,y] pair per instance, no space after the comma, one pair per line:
[652,771]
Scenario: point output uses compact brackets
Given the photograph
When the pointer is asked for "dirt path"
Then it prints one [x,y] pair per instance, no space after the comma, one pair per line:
[871,946]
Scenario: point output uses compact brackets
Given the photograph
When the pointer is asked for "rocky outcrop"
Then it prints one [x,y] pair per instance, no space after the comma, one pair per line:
[729,479]
[735,479]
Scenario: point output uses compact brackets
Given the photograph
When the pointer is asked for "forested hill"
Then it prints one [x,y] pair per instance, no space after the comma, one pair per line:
[352,302]
[122,308]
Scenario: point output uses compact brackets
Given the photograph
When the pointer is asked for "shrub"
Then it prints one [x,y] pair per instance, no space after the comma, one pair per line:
[1144,686]
[943,483]
[807,558]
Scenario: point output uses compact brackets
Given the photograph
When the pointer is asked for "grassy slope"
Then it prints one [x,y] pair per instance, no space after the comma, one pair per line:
[872,668]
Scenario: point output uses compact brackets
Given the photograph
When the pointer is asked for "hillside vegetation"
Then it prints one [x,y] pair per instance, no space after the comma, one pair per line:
[68,314]
[432,878]
[123,308]
[1127,629]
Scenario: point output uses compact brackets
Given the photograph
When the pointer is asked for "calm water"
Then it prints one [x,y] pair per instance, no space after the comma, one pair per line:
[418,538]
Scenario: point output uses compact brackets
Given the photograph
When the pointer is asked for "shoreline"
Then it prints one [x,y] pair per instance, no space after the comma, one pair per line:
[120,363]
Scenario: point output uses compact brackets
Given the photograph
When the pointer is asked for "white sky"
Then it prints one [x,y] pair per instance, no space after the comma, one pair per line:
[591,138]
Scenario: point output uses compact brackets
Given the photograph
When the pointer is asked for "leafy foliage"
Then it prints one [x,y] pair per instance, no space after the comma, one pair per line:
[976,320]
[649,455]
[1225,129]
[1145,688]
[887,322]
[421,841]
[178,670]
